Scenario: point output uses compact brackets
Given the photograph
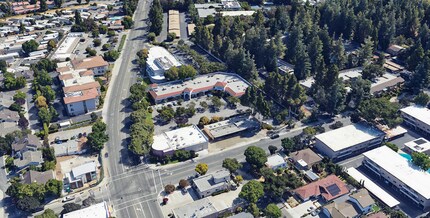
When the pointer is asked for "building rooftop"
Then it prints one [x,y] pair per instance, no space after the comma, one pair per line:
[330,188]
[208,5]
[160,60]
[230,126]
[231,4]
[342,209]
[76,77]
[179,139]
[418,145]
[28,140]
[84,169]
[363,198]
[306,155]
[81,87]
[348,136]
[420,113]
[78,96]
[200,208]
[275,160]
[402,169]
[233,84]
[204,12]
[38,177]
[385,81]
[99,210]
[374,188]
[88,63]
[237,13]
[210,181]
[29,157]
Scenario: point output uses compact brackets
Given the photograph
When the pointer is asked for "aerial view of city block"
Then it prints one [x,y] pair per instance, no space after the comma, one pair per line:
[214,108]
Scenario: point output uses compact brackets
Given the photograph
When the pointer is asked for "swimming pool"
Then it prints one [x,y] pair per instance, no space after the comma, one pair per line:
[409,158]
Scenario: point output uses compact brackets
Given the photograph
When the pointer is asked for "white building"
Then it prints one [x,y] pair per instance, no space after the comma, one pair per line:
[418,118]
[65,48]
[420,145]
[189,138]
[231,5]
[208,184]
[81,174]
[159,60]
[100,210]
[408,179]
[349,140]
[276,161]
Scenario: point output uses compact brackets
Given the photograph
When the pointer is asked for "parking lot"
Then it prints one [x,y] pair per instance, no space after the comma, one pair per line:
[224,111]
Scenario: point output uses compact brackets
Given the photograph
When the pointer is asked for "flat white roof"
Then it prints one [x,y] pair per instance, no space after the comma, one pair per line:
[275,160]
[380,193]
[350,73]
[383,79]
[84,169]
[348,136]
[237,13]
[420,113]
[402,169]
[418,145]
[76,78]
[160,60]
[178,139]
[99,210]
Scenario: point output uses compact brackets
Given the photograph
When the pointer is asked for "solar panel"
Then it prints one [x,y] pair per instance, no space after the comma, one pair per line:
[420,141]
[333,189]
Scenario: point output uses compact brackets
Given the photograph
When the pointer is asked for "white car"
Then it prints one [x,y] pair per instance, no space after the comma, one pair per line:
[68,198]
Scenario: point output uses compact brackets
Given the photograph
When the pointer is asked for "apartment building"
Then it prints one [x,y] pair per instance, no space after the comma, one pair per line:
[349,140]
[417,118]
[408,179]
[96,64]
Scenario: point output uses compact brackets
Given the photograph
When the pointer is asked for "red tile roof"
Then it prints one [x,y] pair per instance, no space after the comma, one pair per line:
[65,76]
[86,95]
[88,63]
[81,87]
[86,73]
[319,187]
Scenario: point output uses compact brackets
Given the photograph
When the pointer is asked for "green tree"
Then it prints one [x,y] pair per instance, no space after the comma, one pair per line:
[203,121]
[54,187]
[360,90]
[97,42]
[44,115]
[186,71]
[78,18]
[202,168]
[106,46]
[254,210]
[183,183]
[156,17]
[272,149]
[166,113]
[422,99]
[231,164]
[98,137]
[272,211]
[70,207]
[287,144]
[365,52]
[421,160]
[255,156]
[28,203]
[372,71]
[181,155]
[216,102]
[380,109]
[172,74]
[111,55]
[392,146]
[23,122]
[51,45]
[127,22]
[48,213]
[169,188]
[30,46]
[252,191]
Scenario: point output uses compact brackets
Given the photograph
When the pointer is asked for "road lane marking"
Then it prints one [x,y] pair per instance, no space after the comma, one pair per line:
[155,184]
[127,212]
[152,215]
[129,205]
[161,180]
[143,211]
[128,201]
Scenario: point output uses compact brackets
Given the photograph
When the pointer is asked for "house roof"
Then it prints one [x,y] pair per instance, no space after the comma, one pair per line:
[29,140]
[378,215]
[29,157]
[330,188]
[84,169]
[275,160]
[363,198]
[82,96]
[341,210]
[38,177]
[85,86]
[307,155]
[88,63]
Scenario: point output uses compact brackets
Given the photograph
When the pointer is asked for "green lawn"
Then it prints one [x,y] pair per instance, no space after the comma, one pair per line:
[376,208]
[121,44]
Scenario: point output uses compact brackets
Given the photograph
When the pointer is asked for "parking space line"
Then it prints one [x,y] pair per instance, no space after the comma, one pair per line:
[143,211]
[152,215]
[155,184]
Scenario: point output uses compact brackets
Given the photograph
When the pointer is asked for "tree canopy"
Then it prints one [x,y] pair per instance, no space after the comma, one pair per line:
[231,164]
[252,191]
[255,156]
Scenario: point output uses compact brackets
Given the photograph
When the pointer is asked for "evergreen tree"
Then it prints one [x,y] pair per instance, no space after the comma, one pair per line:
[156,17]
[43,6]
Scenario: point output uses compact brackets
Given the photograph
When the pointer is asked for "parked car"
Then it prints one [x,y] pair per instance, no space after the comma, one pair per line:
[274,136]
[68,198]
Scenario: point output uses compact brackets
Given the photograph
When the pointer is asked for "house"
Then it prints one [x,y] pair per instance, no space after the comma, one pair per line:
[81,174]
[342,209]
[208,184]
[276,161]
[29,158]
[394,50]
[38,177]
[417,118]
[409,180]
[189,138]
[362,200]
[348,141]
[230,5]
[8,121]
[69,147]
[304,159]
[96,64]
[26,143]
[100,210]
[326,189]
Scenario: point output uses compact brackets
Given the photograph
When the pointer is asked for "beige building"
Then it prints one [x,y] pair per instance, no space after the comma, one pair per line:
[418,118]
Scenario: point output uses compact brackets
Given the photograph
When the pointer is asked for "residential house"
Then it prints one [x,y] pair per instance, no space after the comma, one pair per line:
[26,143]
[326,189]
[304,159]
[29,158]
[38,177]
[362,200]
[208,184]
[8,121]
[276,161]
[81,174]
